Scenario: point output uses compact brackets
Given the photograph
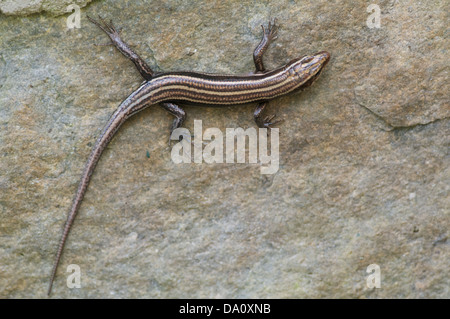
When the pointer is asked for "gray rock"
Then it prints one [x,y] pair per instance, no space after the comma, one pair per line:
[364,155]
[27,7]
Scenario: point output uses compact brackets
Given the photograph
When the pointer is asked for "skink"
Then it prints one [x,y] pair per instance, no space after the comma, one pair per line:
[169,89]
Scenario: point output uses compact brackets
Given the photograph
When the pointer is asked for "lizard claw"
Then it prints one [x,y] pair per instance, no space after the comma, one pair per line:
[268,123]
[271,32]
[180,138]
[108,28]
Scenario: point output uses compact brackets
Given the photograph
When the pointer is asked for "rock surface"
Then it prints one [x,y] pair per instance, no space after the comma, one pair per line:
[27,7]
[364,156]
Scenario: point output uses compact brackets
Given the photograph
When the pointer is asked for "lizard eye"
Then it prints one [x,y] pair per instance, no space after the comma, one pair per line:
[307,59]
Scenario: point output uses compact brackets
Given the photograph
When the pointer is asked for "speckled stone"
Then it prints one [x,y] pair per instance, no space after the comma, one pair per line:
[364,173]
[27,7]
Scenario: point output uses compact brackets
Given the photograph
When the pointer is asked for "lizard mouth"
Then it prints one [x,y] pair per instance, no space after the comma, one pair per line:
[325,57]
[313,78]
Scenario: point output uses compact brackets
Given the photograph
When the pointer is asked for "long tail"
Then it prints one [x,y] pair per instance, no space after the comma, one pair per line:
[116,120]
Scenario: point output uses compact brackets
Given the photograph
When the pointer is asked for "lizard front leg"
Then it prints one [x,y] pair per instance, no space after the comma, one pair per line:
[264,122]
[269,35]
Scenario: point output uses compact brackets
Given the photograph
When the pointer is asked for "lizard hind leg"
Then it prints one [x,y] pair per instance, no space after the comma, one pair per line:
[178,112]
[123,47]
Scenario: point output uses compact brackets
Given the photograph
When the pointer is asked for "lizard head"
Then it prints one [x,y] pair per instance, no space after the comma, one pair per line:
[308,68]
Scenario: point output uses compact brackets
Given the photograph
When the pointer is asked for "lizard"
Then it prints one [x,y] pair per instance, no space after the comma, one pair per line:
[169,89]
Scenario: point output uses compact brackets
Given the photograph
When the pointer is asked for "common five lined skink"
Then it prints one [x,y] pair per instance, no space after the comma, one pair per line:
[169,89]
